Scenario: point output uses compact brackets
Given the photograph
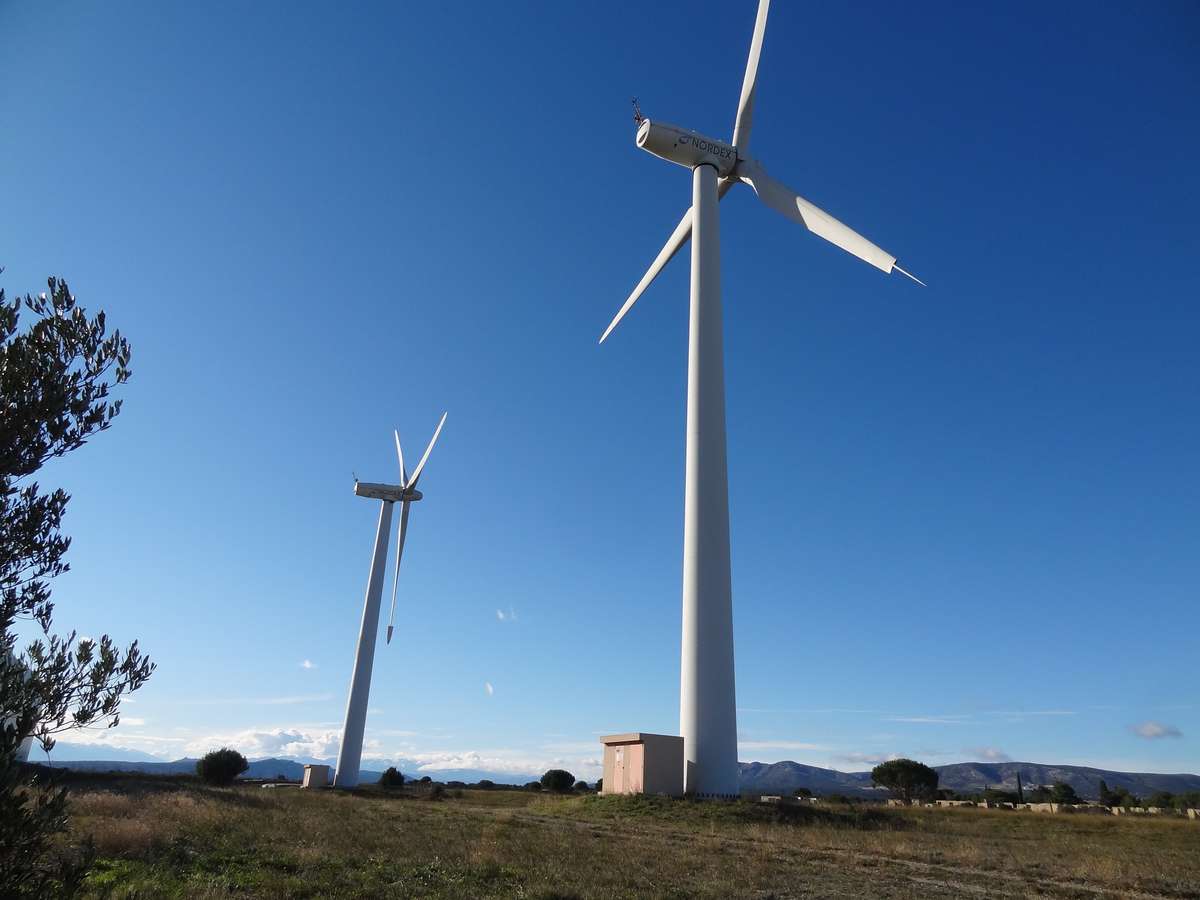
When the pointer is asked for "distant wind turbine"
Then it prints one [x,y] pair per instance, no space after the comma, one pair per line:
[707,709]
[404,493]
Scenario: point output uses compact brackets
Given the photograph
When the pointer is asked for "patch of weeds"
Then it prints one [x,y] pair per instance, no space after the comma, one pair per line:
[439,876]
[716,812]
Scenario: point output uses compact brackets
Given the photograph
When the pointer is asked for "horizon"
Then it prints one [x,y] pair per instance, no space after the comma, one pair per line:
[132,756]
[962,516]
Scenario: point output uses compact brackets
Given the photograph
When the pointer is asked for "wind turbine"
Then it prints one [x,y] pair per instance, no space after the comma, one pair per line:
[707,709]
[404,493]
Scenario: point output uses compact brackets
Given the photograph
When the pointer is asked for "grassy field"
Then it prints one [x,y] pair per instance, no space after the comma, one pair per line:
[176,838]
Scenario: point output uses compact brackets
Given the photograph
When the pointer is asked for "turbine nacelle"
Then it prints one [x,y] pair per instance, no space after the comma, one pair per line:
[686,148]
[391,493]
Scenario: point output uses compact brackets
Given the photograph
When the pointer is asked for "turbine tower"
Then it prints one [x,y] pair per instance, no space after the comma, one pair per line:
[707,708]
[404,493]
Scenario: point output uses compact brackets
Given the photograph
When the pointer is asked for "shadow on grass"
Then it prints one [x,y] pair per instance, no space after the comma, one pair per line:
[140,785]
[684,811]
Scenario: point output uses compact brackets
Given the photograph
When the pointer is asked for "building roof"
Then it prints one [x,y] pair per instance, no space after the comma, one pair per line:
[638,737]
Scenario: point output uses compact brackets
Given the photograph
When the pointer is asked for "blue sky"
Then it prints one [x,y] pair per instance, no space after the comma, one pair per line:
[964,517]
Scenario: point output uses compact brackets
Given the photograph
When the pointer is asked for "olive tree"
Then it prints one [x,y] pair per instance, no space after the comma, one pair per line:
[57,368]
[221,767]
[558,780]
[906,778]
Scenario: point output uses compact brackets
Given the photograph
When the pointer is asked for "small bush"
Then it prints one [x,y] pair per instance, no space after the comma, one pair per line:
[391,778]
[558,780]
[1063,793]
[906,779]
[581,787]
[437,792]
[221,767]
[425,779]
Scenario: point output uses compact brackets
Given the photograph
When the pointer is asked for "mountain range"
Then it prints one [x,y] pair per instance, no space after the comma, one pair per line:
[767,778]
[784,777]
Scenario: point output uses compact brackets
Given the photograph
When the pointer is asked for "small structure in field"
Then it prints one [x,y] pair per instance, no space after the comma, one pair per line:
[316,776]
[641,763]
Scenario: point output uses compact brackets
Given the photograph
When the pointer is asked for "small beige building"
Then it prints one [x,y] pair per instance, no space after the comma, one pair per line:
[640,763]
[316,776]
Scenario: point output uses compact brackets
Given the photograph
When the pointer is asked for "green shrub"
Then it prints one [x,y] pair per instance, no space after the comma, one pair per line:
[221,767]
[1063,793]
[559,780]
[906,779]
[391,778]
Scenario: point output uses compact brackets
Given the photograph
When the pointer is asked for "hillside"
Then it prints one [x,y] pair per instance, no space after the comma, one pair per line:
[767,778]
[290,769]
[783,777]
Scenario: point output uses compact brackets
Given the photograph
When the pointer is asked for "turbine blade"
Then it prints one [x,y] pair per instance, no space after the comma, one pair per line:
[400,532]
[400,456]
[745,113]
[678,238]
[421,465]
[783,199]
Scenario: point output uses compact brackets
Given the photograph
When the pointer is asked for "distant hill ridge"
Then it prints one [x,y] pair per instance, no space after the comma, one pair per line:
[780,777]
[784,777]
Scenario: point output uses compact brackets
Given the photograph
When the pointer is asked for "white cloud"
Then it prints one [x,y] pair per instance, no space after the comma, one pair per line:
[120,738]
[255,744]
[572,747]
[988,754]
[1019,715]
[510,762]
[778,745]
[263,701]
[322,740]
[308,664]
[1153,730]
[808,711]
[510,616]
[132,720]
[866,759]
[929,720]
[487,686]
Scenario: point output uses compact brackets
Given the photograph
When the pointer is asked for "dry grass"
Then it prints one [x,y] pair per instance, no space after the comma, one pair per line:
[197,842]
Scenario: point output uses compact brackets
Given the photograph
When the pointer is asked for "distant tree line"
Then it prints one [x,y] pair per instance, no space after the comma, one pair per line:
[1159,799]
[554,780]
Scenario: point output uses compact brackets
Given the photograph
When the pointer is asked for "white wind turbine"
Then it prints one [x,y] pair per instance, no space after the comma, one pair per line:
[404,493]
[707,711]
